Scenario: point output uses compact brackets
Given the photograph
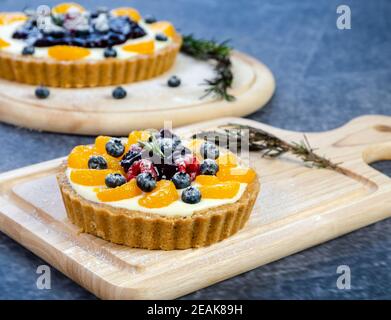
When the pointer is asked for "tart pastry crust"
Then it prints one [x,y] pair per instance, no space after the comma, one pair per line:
[151,231]
[84,73]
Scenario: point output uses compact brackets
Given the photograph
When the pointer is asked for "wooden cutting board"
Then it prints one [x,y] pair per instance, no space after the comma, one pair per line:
[298,208]
[93,111]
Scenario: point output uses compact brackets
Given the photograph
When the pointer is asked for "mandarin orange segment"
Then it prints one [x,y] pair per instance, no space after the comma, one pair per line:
[132,13]
[242,175]
[207,180]
[79,156]
[164,27]
[136,136]
[8,18]
[100,144]
[227,160]
[3,43]
[163,195]
[87,177]
[63,8]
[144,47]
[126,191]
[223,190]
[113,163]
[68,53]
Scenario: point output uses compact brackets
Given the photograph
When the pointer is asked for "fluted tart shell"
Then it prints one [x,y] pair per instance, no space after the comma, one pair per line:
[138,229]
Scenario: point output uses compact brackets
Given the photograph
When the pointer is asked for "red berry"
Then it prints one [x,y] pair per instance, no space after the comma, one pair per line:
[181,164]
[146,166]
[133,171]
[189,164]
[192,164]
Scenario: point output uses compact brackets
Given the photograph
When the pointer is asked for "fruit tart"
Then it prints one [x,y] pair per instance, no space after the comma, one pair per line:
[154,190]
[70,47]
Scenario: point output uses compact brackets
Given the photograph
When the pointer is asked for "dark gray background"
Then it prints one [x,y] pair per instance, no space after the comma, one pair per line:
[325,77]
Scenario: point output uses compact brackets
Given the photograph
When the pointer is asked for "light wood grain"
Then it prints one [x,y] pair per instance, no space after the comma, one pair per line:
[93,111]
[298,207]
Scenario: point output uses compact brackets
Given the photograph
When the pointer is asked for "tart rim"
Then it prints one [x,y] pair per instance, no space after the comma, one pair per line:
[154,231]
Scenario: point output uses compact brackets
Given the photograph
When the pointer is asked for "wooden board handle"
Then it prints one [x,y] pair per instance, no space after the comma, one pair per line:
[370,134]
[365,130]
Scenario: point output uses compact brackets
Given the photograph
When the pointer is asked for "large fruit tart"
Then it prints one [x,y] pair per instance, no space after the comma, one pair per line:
[68,46]
[153,190]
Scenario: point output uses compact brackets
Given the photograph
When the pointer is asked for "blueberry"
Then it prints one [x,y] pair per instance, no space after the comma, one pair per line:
[120,25]
[132,156]
[119,93]
[42,92]
[191,195]
[138,32]
[115,148]
[174,82]
[97,162]
[94,14]
[181,180]
[146,182]
[180,152]
[209,167]
[28,51]
[166,133]
[167,145]
[209,150]
[161,37]
[110,53]
[114,180]
[149,19]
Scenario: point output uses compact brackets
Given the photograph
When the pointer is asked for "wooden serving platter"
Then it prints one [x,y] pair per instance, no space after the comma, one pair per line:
[298,207]
[93,111]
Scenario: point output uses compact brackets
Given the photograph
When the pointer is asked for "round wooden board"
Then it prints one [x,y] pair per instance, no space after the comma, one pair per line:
[92,111]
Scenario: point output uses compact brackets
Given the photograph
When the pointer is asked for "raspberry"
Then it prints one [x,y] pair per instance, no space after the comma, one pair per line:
[188,164]
[192,164]
[133,171]
[146,166]
[181,164]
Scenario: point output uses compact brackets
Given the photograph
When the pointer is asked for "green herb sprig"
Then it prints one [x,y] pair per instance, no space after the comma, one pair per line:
[152,146]
[205,50]
[269,145]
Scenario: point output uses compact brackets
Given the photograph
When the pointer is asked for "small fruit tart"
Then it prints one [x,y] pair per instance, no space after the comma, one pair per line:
[70,47]
[154,190]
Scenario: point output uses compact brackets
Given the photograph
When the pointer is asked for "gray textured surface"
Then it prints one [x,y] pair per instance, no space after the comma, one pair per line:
[325,77]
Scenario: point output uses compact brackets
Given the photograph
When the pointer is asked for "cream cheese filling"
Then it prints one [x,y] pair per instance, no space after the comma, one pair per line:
[177,208]
[16,45]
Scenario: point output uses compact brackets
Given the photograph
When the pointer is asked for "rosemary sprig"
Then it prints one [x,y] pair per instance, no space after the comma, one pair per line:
[268,144]
[152,146]
[220,53]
